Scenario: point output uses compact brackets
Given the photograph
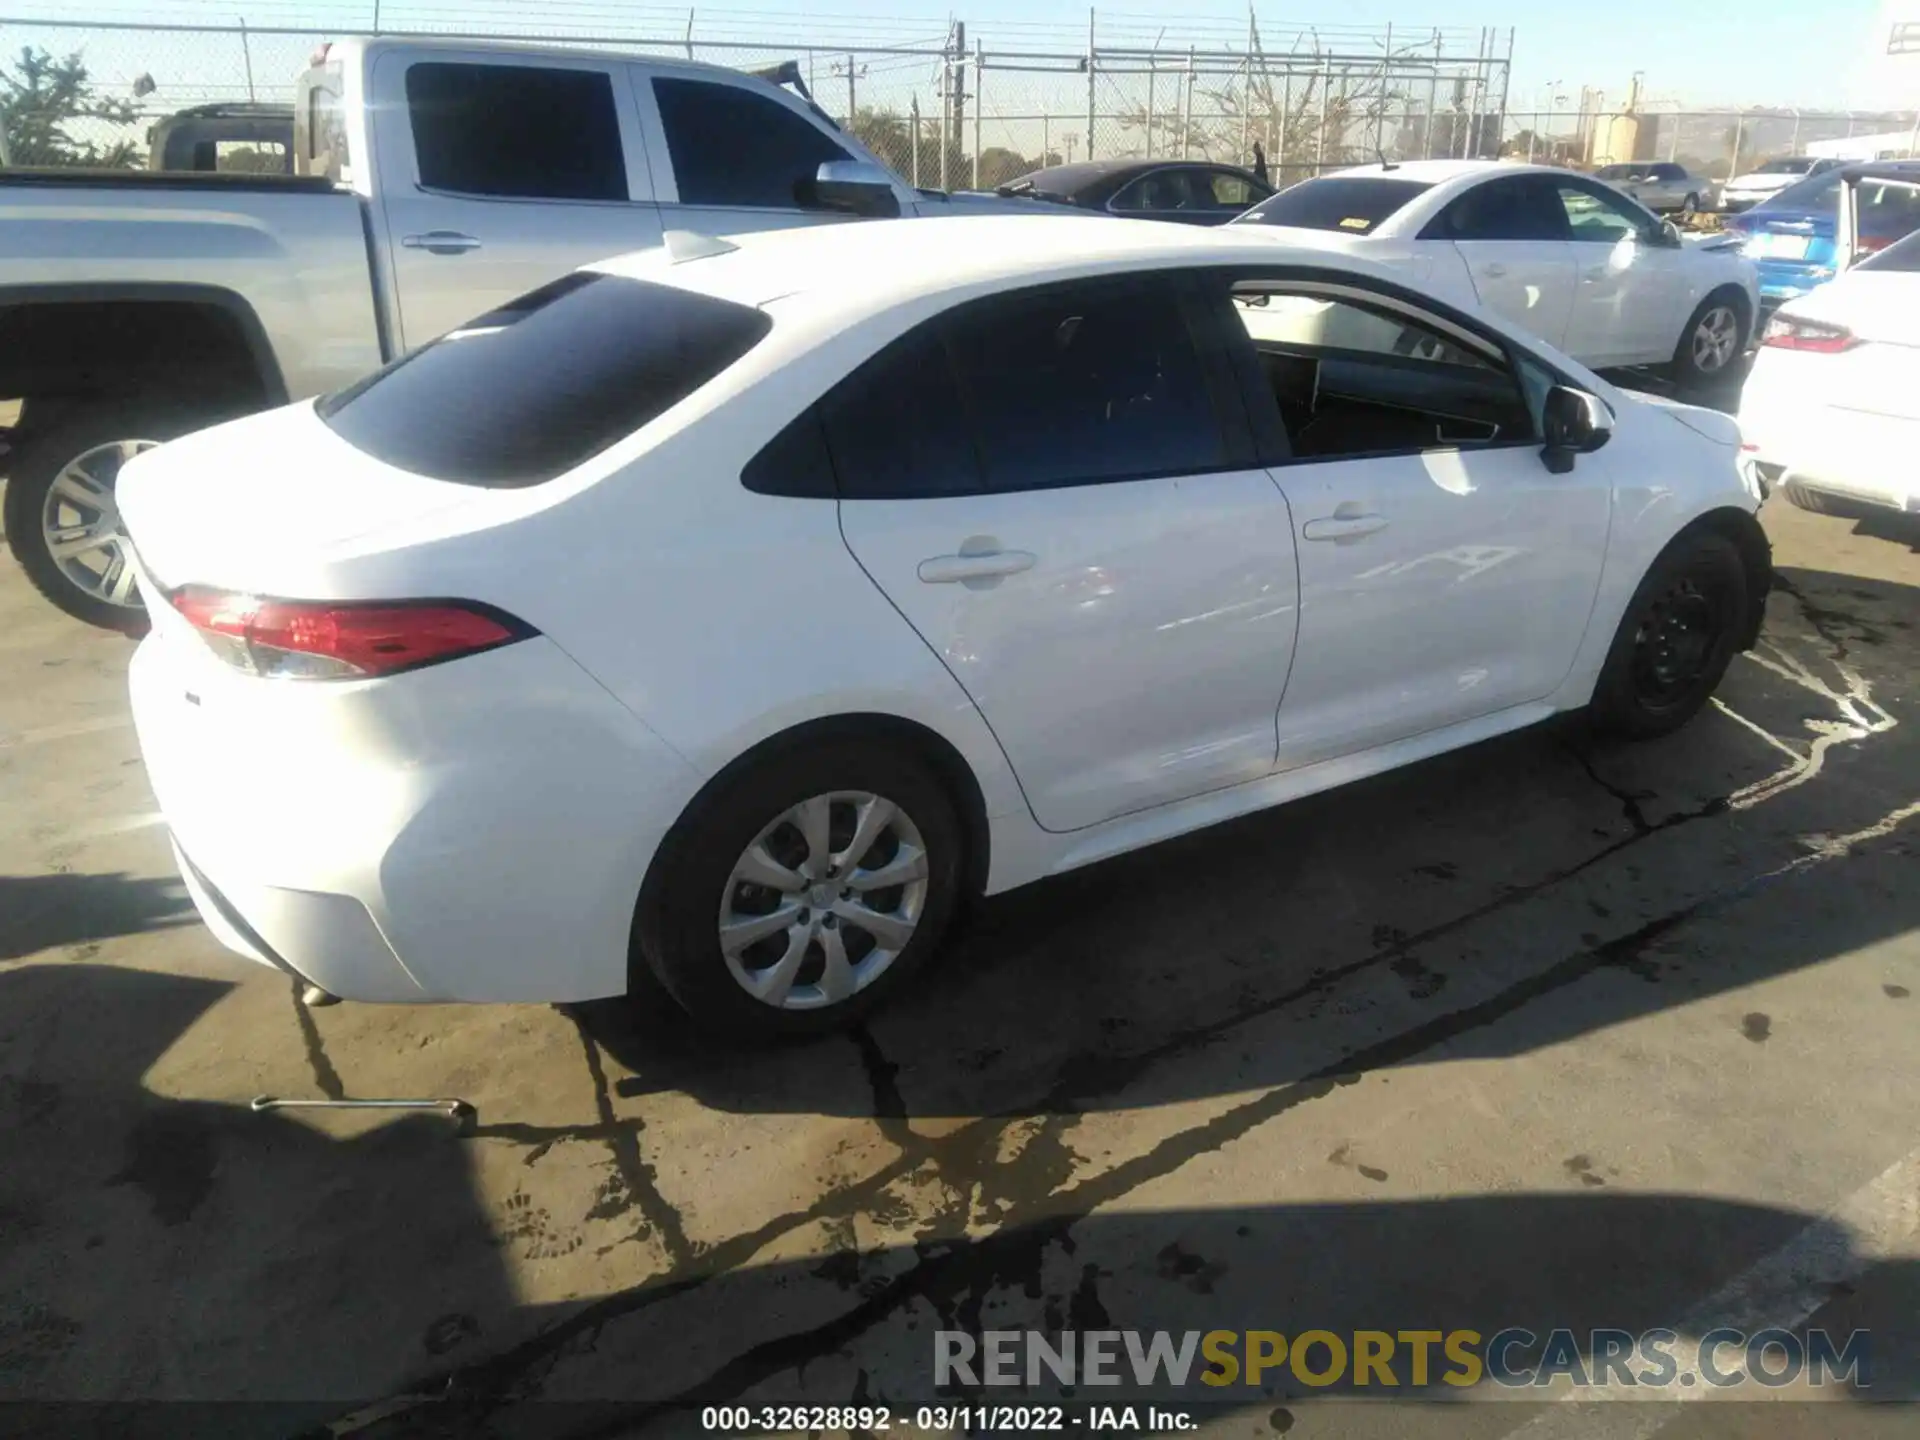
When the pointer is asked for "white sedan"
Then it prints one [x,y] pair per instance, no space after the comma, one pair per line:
[1832,407]
[1574,261]
[731,609]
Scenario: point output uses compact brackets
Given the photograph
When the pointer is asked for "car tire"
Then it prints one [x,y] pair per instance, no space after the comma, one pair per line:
[1675,641]
[92,445]
[709,873]
[1713,341]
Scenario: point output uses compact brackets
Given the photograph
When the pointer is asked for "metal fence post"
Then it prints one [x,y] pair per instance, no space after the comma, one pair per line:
[914,143]
[1433,98]
[1186,110]
[1153,65]
[1246,95]
[979,103]
[1090,83]
[1326,84]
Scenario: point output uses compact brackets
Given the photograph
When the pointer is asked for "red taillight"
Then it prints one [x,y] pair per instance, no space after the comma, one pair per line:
[1790,332]
[340,640]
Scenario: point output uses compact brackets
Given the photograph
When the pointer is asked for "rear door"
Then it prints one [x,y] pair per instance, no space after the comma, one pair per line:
[733,154]
[500,174]
[1512,236]
[1057,492]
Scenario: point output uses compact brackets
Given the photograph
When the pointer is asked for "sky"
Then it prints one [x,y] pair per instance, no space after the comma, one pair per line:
[1706,55]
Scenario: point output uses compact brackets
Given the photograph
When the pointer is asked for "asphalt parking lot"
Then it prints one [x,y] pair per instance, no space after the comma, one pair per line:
[1542,1033]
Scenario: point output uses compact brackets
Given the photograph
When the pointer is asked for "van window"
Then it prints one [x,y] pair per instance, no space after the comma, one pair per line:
[529,391]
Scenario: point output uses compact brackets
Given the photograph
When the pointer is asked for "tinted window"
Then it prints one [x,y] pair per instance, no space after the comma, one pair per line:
[896,426]
[1886,211]
[1819,192]
[1785,167]
[523,131]
[1355,204]
[1087,382]
[731,146]
[1669,172]
[1520,208]
[534,388]
[1599,219]
[795,463]
[1164,190]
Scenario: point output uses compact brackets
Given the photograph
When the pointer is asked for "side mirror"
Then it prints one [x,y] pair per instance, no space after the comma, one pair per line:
[1574,422]
[857,187]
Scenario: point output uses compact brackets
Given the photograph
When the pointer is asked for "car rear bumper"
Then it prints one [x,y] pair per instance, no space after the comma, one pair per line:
[474,831]
[1858,456]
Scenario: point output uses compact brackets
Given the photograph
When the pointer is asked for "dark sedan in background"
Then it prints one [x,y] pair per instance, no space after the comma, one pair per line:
[1188,192]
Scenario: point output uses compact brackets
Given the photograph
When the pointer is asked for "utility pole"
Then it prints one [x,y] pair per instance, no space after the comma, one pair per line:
[851,112]
[979,104]
[914,145]
[1186,110]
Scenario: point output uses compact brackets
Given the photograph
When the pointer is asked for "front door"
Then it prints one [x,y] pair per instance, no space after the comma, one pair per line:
[1045,485]
[499,177]
[1513,240]
[1445,572]
[1630,298]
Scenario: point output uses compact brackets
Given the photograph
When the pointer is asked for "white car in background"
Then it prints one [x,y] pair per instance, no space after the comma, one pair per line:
[729,610]
[1832,407]
[1574,261]
[1745,191]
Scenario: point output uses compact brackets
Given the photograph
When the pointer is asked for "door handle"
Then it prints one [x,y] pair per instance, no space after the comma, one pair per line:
[441,242]
[988,565]
[1342,528]
[1495,270]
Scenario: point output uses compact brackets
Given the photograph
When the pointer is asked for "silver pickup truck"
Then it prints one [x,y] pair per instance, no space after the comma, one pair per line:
[433,181]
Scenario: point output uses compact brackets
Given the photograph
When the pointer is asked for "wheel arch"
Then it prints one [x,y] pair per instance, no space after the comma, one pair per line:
[1742,528]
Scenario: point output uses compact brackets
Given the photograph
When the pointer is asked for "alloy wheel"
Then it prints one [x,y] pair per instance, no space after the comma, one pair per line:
[823,900]
[80,523]
[1715,340]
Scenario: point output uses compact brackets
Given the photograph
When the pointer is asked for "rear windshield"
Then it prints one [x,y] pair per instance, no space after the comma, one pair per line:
[1352,204]
[532,389]
[1818,192]
[1785,167]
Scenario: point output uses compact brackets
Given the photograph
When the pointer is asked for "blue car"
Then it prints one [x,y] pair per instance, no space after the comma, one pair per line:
[1790,238]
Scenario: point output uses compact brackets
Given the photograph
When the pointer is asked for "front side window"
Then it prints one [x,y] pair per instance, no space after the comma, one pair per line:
[1352,376]
[1593,218]
[1083,383]
[516,131]
[1522,207]
[529,391]
[1160,190]
[731,146]
[1350,204]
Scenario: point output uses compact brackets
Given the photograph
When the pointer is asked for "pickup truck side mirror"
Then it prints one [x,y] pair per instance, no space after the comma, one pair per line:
[857,187]
[1573,422]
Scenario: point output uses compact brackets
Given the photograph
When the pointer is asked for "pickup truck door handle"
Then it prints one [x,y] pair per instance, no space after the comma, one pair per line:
[989,565]
[1342,528]
[441,242]
[1495,270]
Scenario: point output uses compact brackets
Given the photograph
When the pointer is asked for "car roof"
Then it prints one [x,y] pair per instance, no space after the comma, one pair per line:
[859,269]
[370,47]
[1440,172]
[1094,178]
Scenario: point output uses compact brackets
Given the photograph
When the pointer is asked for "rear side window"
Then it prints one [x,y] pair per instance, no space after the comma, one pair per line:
[896,427]
[520,132]
[730,146]
[1084,383]
[1351,204]
[530,390]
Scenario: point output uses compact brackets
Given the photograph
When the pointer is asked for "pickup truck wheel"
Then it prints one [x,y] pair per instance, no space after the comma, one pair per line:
[62,523]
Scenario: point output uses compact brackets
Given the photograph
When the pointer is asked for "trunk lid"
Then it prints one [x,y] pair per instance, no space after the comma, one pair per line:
[271,503]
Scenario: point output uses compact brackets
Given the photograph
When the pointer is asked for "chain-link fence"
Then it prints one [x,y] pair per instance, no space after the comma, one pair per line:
[957,109]
[1711,144]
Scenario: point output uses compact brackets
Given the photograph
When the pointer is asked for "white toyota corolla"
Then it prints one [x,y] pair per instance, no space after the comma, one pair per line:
[734,608]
